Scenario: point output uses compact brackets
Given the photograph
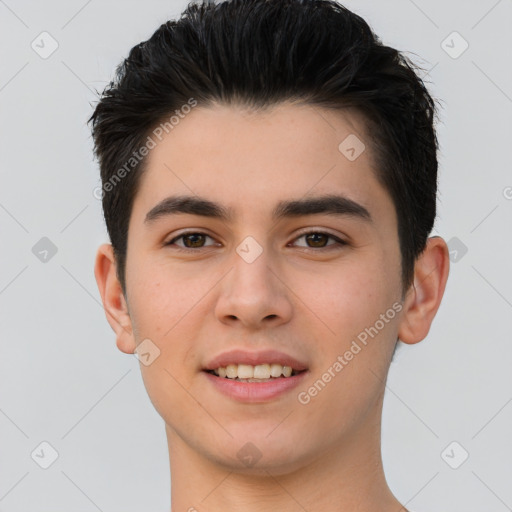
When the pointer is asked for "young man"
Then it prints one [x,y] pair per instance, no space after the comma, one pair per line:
[269,179]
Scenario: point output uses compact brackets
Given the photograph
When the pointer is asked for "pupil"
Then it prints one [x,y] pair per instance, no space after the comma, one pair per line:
[196,236]
[316,235]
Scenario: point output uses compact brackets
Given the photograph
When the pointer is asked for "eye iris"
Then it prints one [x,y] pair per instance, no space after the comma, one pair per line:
[195,236]
[311,235]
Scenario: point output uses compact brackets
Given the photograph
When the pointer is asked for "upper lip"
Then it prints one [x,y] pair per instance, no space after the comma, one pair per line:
[240,356]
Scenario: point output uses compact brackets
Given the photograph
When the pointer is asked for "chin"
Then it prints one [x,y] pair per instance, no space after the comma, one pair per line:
[261,453]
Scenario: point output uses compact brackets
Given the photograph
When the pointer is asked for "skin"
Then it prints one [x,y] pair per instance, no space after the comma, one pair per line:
[312,305]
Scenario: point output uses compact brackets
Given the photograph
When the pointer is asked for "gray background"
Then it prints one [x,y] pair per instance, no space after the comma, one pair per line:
[62,379]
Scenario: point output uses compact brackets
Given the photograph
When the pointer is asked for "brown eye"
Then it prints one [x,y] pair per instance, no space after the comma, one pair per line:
[319,240]
[190,241]
[195,240]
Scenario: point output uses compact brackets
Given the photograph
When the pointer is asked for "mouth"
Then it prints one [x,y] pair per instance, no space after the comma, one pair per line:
[266,372]
[255,377]
[235,381]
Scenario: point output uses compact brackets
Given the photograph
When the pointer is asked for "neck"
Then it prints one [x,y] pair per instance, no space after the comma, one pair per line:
[349,474]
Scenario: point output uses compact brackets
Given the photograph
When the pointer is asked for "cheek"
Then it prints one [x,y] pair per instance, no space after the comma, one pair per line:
[350,303]
[168,308]
[161,298]
[347,297]
[162,310]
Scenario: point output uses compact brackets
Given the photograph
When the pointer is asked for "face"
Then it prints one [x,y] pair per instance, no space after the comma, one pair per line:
[320,284]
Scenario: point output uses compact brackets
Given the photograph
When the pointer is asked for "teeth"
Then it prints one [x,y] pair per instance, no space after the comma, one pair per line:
[232,371]
[276,370]
[245,371]
[260,371]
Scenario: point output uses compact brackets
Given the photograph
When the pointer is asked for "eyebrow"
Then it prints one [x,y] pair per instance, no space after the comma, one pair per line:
[331,204]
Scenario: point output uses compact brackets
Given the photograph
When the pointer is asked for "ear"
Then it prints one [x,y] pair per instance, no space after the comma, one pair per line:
[114,303]
[424,296]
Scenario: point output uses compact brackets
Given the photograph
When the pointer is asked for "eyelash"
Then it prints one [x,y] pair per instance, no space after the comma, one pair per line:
[338,241]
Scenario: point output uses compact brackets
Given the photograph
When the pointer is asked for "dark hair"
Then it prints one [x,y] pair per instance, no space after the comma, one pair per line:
[259,53]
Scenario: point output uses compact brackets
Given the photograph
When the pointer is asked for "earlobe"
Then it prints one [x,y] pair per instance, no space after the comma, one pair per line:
[114,303]
[424,297]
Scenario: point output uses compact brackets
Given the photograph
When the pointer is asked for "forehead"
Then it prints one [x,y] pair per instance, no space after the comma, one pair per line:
[243,158]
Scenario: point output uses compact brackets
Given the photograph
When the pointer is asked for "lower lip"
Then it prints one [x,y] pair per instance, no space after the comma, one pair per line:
[255,391]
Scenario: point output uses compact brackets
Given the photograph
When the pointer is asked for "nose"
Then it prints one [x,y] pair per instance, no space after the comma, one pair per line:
[254,294]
